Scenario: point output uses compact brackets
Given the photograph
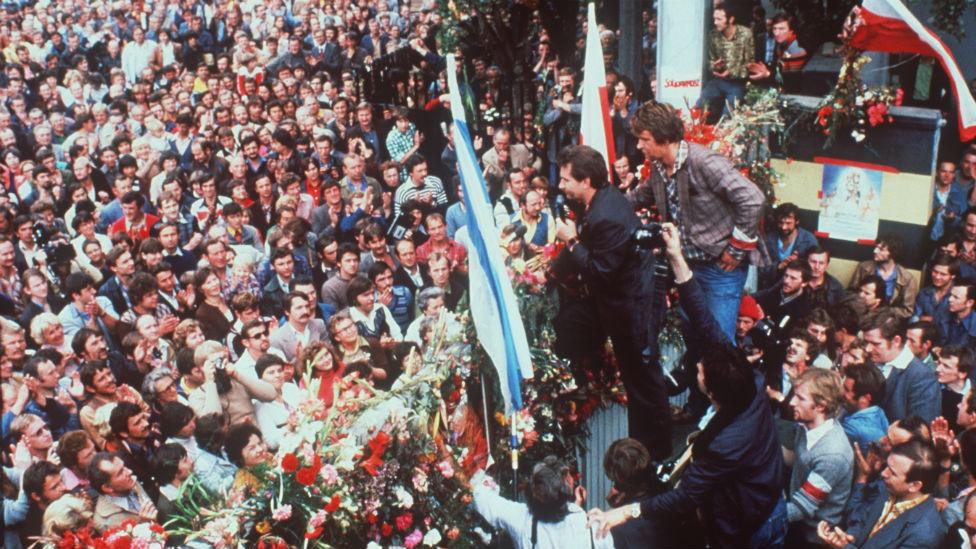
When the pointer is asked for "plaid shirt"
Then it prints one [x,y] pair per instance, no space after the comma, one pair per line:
[718,209]
[399,144]
[690,252]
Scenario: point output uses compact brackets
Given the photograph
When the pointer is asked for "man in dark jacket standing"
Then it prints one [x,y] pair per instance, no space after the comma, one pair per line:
[735,476]
[617,302]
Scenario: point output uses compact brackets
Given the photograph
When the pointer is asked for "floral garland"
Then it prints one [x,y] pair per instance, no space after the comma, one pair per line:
[853,108]
[391,468]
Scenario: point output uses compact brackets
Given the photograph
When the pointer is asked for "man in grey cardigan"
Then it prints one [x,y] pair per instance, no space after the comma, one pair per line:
[822,459]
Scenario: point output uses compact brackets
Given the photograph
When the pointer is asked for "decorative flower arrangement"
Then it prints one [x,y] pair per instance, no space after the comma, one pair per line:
[127,535]
[852,107]
[743,136]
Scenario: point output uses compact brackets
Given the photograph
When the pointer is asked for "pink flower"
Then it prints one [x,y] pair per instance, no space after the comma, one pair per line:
[329,474]
[445,468]
[413,539]
[282,513]
[318,519]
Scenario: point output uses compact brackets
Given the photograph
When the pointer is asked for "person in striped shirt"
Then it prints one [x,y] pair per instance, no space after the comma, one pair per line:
[427,189]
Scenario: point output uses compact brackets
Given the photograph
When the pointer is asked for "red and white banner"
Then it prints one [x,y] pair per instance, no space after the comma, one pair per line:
[887,25]
[596,130]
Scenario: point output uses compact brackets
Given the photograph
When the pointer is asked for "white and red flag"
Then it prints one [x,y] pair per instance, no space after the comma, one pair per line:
[889,26]
[596,130]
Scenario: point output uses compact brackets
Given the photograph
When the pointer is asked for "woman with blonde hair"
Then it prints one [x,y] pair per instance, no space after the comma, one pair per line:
[46,330]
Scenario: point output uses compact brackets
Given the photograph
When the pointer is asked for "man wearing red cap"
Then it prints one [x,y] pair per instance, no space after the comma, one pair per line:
[749,313]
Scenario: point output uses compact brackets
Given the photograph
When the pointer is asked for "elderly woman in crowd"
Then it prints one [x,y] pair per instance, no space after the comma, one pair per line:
[353,347]
[47,331]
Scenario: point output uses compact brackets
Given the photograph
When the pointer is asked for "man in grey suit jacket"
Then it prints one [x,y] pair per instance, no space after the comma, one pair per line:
[504,156]
[911,388]
[908,481]
[300,330]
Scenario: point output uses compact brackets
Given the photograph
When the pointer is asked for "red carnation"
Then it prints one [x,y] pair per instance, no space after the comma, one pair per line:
[289,463]
[305,476]
[386,529]
[404,522]
[333,504]
[372,517]
[314,533]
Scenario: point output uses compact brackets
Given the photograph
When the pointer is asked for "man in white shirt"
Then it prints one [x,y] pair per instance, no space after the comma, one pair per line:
[137,55]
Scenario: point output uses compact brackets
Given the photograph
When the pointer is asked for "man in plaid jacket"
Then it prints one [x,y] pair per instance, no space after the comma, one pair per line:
[716,209]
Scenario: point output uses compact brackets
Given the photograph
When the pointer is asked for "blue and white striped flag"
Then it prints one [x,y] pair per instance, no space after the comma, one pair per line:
[494,309]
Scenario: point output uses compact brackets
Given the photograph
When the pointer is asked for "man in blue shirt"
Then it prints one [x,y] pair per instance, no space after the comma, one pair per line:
[787,243]
[933,300]
[959,323]
[864,388]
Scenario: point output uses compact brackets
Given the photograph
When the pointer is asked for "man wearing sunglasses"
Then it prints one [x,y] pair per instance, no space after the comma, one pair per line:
[256,340]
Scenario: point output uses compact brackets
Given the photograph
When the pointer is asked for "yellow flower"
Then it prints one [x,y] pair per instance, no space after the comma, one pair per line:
[263,527]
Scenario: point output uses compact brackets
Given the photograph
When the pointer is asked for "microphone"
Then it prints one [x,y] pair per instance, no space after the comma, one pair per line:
[561,209]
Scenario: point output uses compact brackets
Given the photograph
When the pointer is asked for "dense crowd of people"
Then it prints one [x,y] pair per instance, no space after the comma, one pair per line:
[203,204]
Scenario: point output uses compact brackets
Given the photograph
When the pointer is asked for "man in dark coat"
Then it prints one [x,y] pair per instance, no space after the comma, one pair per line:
[734,479]
[618,280]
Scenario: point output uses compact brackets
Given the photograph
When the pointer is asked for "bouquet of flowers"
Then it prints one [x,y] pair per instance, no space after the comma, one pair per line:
[127,535]
[852,107]
[743,136]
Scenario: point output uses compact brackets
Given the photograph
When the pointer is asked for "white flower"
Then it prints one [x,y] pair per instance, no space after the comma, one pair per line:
[432,538]
[373,545]
[858,136]
[404,499]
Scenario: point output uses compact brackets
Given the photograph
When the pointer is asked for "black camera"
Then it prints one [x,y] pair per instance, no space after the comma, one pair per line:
[767,335]
[54,243]
[649,236]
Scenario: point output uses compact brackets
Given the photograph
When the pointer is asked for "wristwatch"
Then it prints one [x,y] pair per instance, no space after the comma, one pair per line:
[635,510]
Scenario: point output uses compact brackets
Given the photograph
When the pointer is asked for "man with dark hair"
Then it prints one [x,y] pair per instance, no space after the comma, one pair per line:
[871,290]
[864,390]
[911,388]
[787,301]
[123,266]
[618,278]
[958,323]
[716,209]
[58,410]
[42,484]
[901,288]
[427,189]
[902,515]
[301,329]
[788,243]
[273,293]
[953,369]
[334,290]
[933,300]
[735,475]
[730,52]
[551,515]
[120,496]
[134,221]
[787,60]
[130,425]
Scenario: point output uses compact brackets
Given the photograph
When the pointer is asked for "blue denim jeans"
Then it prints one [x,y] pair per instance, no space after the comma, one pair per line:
[723,291]
[730,92]
[772,533]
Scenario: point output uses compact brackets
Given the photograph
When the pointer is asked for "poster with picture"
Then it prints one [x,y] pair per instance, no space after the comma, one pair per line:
[850,202]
